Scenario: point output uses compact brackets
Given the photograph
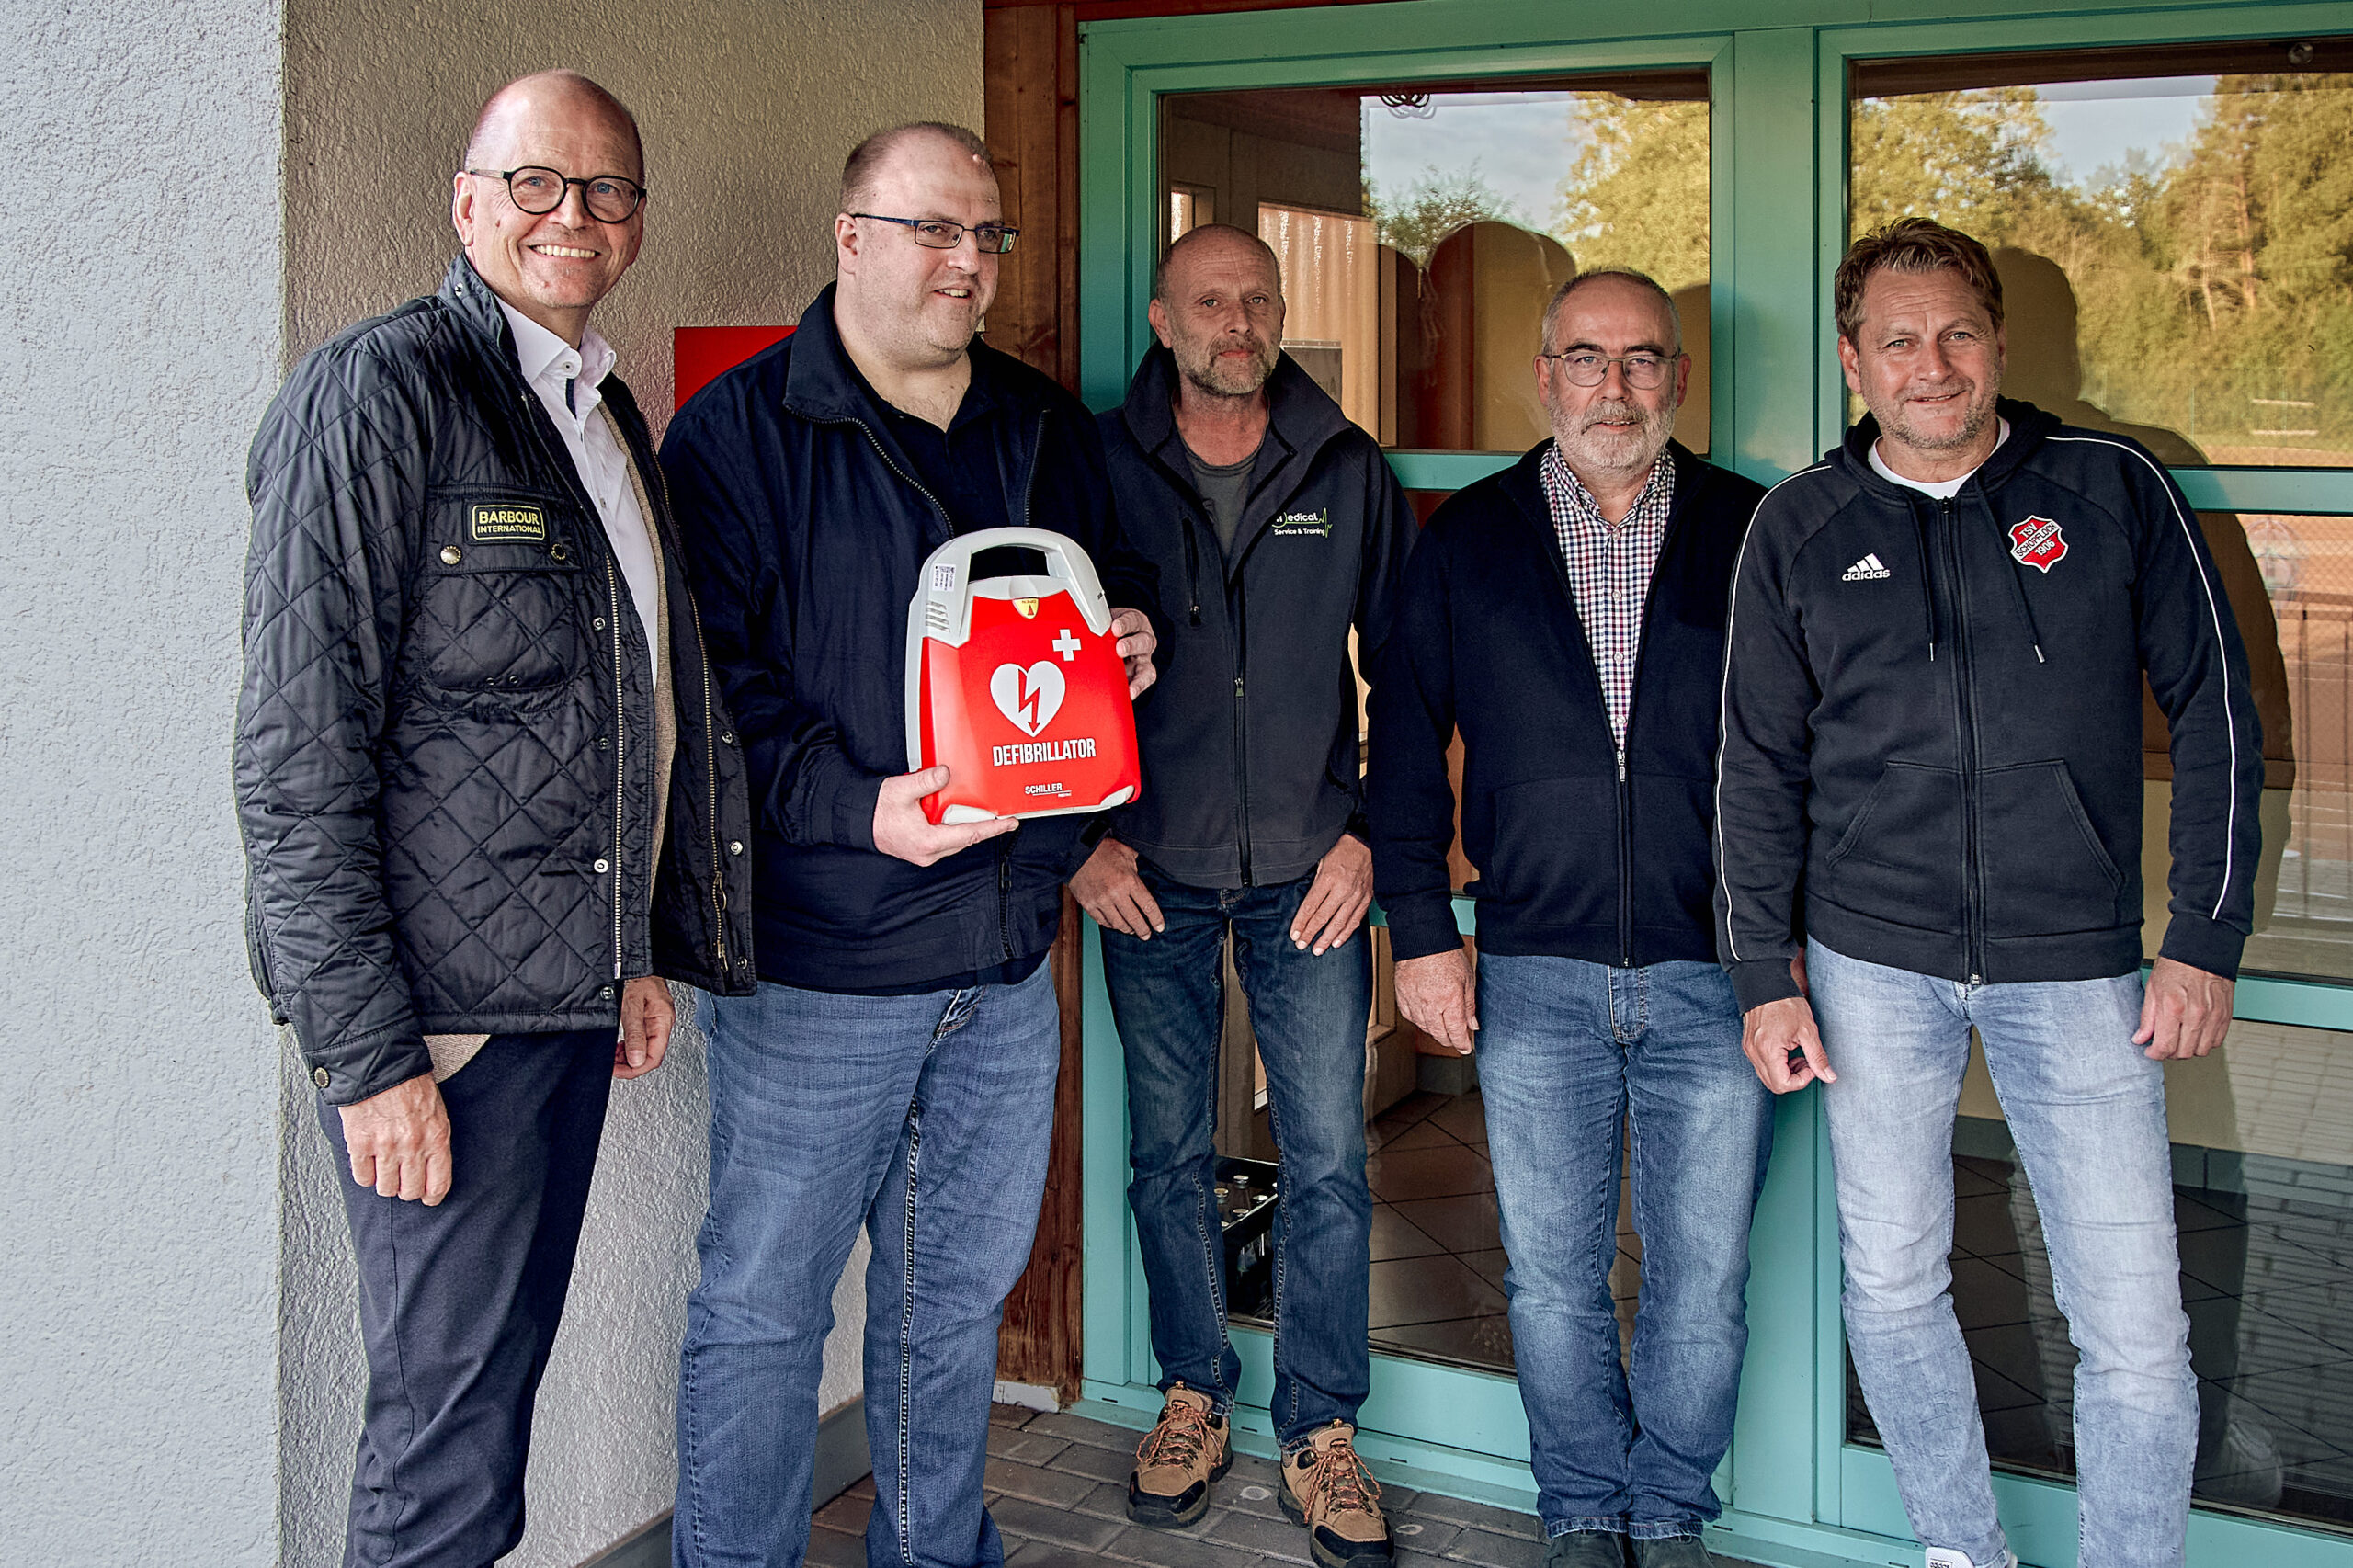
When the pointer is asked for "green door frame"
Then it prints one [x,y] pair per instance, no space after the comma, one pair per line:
[1797,1494]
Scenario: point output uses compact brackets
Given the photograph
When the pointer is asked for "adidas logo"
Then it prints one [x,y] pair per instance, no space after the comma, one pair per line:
[1866,570]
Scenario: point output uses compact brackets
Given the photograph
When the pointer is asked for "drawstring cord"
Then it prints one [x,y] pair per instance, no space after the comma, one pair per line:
[1193,571]
[1927,593]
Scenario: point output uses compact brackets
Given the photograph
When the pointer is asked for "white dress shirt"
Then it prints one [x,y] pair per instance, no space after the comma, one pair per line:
[554,367]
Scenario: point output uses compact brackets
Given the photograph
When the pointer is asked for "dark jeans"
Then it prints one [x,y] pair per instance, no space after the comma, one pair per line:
[1168,998]
[926,1120]
[459,1302]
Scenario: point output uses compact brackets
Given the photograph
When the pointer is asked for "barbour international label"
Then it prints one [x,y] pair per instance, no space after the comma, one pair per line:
[493,522]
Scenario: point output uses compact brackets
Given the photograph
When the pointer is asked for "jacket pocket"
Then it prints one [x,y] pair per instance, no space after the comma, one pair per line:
[500,613]
[1899,859]
[2046,871]
[1555,851]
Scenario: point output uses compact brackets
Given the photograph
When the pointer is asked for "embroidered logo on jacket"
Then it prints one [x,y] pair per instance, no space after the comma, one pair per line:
[2037,542]
[1313,525]
[1866,570]
[493,522]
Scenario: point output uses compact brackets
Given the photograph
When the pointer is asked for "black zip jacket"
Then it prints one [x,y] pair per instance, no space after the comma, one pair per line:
[1932,720]
[1576,858]
[806,531]
[1250,739]
[445,738]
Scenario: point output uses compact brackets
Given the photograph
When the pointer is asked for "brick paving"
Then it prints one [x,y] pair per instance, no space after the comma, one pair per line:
[1057,1485]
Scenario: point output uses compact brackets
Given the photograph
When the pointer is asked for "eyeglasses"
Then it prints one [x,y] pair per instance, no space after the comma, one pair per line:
[939,234]
[608,198]
[1585,368]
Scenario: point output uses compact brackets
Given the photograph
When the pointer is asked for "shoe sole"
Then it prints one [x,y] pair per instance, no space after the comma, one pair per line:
[1158,1513]
[1371,1554]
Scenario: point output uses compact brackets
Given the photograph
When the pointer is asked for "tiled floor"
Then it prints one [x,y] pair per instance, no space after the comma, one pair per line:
[2267,1281]
[1057,1487]
[1438,1258]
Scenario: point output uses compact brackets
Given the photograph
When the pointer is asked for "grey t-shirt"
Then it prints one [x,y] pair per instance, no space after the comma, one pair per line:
[1224,490]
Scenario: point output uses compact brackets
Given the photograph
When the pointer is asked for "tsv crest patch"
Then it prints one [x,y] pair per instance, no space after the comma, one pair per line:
[2037,542]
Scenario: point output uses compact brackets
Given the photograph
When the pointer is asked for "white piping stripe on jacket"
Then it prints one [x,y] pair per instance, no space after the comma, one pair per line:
[2222,643]
[1723,700]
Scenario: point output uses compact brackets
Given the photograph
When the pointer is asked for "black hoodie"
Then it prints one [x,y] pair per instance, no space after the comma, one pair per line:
[1249,739]
[1932,720]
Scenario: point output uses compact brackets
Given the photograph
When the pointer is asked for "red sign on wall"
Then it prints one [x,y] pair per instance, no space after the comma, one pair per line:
[699,353]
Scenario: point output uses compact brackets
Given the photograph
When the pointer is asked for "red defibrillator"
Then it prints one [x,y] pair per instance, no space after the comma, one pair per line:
[1015,684]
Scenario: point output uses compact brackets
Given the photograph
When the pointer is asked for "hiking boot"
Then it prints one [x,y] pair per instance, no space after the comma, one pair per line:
[1327,1488]
[1671,1551]
[1178,1459]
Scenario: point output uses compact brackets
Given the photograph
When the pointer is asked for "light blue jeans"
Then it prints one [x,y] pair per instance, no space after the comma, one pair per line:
[2088,1112]
[1569,1053]
[926,1120]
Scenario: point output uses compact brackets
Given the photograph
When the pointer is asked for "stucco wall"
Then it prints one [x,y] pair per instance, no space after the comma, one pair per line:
[139,343]
[748,108]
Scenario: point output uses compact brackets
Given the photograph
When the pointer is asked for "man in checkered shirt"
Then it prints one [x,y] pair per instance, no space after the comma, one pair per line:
[1567,616]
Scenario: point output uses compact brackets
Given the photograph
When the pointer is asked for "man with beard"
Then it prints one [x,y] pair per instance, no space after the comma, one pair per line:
[895,1068]
[1932,725]
[1276,527]
[1566,616]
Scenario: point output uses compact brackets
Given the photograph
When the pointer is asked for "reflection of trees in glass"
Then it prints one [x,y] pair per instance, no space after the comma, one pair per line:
[1637,195]
[2215,287]
[1415,221]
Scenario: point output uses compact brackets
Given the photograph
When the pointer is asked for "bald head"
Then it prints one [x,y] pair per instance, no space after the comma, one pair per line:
[1221,240]
[540,96]
[869,159]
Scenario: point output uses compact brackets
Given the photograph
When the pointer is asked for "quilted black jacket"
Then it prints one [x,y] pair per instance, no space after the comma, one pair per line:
[444,758]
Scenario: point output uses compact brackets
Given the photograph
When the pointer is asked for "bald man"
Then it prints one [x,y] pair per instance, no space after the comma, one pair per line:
[489,795]
[895,1069]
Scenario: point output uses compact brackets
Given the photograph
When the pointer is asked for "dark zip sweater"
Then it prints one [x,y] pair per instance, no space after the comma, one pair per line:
[1932,720]
[806,524]
[1576,858]
[1249,739]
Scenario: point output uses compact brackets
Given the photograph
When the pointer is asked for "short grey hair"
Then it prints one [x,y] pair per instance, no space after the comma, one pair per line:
[1160,267]
[1624,275]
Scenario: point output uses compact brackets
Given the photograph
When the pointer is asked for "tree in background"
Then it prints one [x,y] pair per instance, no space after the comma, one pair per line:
[1415,221]
[1637,194]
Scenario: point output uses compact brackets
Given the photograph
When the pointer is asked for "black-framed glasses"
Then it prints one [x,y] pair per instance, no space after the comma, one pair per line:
[608,198]
[1590,368]
[939,234]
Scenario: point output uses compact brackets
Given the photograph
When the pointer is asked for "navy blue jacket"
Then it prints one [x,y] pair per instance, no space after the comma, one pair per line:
[1932,720]
[1249,742]
[1575,860]
[805,530]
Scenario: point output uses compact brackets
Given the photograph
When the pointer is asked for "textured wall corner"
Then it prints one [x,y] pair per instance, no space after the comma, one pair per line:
[138,344]
[748,109]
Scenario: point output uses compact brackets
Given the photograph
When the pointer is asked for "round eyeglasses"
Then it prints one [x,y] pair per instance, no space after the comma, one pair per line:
[1590,368]
[609,199]
[939,234]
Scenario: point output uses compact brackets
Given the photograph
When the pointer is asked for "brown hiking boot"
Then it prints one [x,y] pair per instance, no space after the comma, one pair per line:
[1327,1488]
[1176,1461]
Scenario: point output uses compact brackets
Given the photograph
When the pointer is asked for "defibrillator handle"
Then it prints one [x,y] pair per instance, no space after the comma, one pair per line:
[945,606]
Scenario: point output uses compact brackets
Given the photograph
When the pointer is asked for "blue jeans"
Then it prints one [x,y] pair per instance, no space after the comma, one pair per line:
[926,1118]
[1168,998]
[2088,1112]
[1569,1053]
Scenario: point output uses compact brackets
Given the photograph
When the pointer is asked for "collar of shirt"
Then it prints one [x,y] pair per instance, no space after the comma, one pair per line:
[1568,494]
[547,362]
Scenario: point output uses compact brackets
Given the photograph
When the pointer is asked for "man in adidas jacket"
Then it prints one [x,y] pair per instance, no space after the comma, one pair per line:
[1566,616]
[1928,818]
[1276,528]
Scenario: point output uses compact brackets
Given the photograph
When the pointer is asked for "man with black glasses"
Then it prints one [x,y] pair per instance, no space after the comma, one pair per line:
[487,791]
[1566,616]
[895,1068]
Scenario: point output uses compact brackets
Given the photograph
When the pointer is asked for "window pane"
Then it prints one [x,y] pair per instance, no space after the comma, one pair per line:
[1420,232]
[2174,218]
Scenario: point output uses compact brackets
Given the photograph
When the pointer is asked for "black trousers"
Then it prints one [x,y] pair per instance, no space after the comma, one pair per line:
[458,1304]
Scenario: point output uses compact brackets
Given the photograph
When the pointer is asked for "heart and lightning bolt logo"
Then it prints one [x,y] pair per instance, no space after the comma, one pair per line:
[1030,697]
